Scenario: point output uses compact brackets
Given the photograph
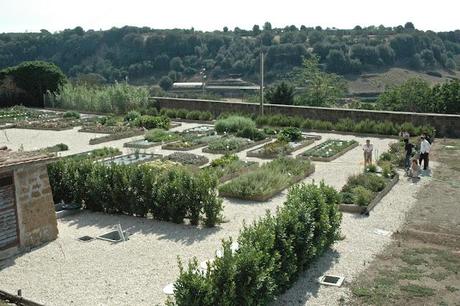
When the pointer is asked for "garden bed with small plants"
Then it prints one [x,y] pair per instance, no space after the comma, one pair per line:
[228,167]
[364,191]
[187,116]
[188,159]
[288,141]
[329,150]
[55,124]
[231,144]
[188,143]
[116,136]
[153,138]
[96,154]
[131,159]
[202,130]
[268,180]
[19,113]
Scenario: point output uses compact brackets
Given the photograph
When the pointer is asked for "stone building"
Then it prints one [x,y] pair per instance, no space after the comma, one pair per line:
[27,215]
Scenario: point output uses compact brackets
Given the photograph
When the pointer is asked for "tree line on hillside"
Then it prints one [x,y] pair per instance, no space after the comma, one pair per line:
[145,55]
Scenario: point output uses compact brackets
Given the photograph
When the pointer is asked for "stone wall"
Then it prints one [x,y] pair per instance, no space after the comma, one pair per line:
[446,125]
[35,206]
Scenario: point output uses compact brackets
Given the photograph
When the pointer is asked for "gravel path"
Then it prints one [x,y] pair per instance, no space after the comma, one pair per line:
[67,271]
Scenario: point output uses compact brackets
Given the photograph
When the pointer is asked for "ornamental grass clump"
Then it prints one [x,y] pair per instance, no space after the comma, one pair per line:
[234,124]
[267,180]
[272,253]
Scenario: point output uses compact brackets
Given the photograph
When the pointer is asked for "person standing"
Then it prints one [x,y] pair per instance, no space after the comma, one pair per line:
[409,148]
[368,148]
[425,148]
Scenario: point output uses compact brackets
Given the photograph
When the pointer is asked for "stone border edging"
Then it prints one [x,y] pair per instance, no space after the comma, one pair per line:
[304,143]
[266,197]
[356,209]
[331,158]
[116,136]
[245,147]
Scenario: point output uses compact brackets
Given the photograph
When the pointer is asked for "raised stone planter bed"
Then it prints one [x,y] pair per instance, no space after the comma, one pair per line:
[309,153]
[248,145]
[101,129]
[250,166]
[356,209]
[116,136]
[132,159]
[267,196]
[191,144]
[188,159]
[141,144]
[52,125]
[194,121]
[264,152]
[201,130]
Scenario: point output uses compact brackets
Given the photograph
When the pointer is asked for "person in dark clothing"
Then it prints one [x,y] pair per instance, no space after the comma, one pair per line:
[409,148]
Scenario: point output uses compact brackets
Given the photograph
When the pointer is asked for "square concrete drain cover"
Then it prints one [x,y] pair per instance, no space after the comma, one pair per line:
[85,238]
[331,280]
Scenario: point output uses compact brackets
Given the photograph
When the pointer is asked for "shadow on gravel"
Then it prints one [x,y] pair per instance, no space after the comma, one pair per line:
[182,233]
[307,285]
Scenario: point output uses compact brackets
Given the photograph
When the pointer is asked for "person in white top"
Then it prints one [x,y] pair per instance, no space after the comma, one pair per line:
[368,148]
[425,148]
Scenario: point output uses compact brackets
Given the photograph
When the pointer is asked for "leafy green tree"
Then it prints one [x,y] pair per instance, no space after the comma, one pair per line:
[165,83]
[416,62]
[36,78]
[427,58]
[256,30]
[321,88]
[282,93]
[446,97]
[412,96]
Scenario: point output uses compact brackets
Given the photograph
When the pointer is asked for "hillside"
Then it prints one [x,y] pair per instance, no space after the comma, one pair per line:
[370,58]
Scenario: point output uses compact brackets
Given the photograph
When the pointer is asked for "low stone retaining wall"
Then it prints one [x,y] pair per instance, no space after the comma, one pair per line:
[446,125]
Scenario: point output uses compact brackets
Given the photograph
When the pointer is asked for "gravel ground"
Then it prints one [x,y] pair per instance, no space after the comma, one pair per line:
[67,271]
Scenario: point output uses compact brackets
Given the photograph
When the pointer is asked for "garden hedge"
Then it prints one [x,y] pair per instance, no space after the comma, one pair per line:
[169,195]
[272,253]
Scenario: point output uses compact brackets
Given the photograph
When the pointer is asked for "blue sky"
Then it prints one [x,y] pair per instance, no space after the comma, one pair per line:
[55,15]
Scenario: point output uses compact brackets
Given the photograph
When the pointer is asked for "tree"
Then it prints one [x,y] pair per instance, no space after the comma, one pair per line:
[321,89]
[36,78]
[176,64]
[416,62]
[412,96]
[165,83]
[267,26]
[282,93]
[409,26]
[337,62]
[256,30]
[427,58]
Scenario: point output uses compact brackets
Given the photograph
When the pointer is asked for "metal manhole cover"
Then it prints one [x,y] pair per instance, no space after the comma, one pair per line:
[331,280]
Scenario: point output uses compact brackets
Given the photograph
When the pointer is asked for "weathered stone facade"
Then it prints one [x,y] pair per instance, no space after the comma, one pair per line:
[27,215]
[34,201]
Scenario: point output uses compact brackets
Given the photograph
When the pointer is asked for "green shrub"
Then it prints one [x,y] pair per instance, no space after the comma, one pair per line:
[149,110]
[233,124]
[182,113]
[170,195]
[153,122]
[160,135]
[193,115]
[362,196]
[272,253]
[131,116]
[290,134]
[169,112]
[71,115]
[371,168]
[228,144]
[268,179]
[251,133]
[205,116]
[345,125]
[369,181]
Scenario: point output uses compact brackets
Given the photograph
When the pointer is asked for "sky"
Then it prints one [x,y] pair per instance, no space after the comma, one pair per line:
[208,15]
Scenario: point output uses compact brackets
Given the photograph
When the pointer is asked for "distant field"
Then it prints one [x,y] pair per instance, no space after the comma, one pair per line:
[376,82]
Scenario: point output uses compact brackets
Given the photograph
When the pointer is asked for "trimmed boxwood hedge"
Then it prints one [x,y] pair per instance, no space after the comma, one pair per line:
[170,195]
[272,253]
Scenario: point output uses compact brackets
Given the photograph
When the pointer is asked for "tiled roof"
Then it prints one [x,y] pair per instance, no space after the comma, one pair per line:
[9,159]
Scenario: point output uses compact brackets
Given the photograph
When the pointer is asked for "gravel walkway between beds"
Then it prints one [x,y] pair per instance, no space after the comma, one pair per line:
[67,271]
